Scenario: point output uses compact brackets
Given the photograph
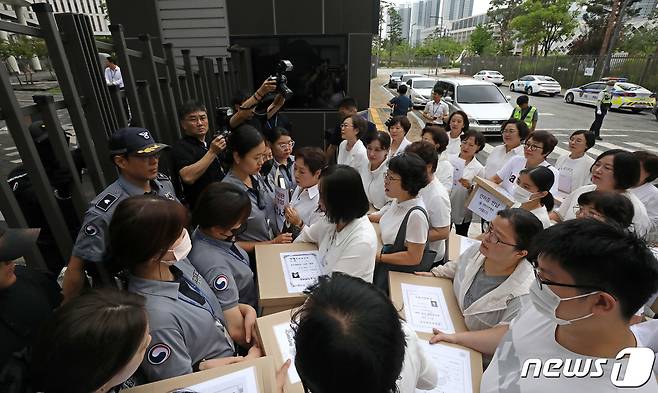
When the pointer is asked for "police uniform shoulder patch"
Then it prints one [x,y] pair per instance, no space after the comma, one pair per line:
[158,354]
[91,230]
[220,282]
[162,176]
[106,201]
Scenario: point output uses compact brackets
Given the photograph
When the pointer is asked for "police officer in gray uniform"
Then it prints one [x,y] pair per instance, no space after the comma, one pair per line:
[186,322]
[136,154]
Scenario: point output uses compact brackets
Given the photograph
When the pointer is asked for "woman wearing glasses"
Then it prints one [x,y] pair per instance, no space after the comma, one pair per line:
[303,209]
[614,170]
[246,152]
[514,132]
[574,167]
[351,151]
[491,280]
[282,169]
[377,146]
[606,206]
[537,147]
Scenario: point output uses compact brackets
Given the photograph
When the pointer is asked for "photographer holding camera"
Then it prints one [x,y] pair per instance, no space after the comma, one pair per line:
[197,162]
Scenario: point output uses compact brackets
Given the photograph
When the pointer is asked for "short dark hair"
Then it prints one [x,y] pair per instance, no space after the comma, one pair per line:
[239,97]
[626,168]
[590,139]
[152,222]
[383,137]
[88,341]
[591,252]
[402,89]
[110,59]
[543,178]
[521,127]
[548,140]
[522,99]
[348,102]
[463,115]
[411,168]
[615,207]
[273,134]
[426,151]
[526,227]
[221,204]
[242,140]
[338,181]
[313,157]
[403,121]
[480,140]
[649,162]
[190,106]
[360,124]
[439,136]
[348,323]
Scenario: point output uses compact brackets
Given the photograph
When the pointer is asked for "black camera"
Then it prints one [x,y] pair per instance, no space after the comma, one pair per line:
[222,114]
[282,88]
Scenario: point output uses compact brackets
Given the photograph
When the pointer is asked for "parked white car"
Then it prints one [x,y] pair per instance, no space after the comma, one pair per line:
[625,95]
[420,90]
[494,77]
[404,78]
[536,84]
[394,78]
[485,105]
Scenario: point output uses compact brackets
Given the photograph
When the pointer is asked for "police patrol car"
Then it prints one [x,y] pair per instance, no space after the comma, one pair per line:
[625,95]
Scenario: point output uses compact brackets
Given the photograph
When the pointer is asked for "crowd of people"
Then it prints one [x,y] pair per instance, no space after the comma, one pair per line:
[162,278]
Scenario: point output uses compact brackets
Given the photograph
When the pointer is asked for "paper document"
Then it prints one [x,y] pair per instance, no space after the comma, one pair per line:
[426,308]
[243,381]
[465,243]
[458,164]
[285,338]
[301,269]
[453,368]
[282,199]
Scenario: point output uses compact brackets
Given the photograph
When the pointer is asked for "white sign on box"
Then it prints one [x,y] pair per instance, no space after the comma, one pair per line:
[243,381]
[300,269]
[285,338]
[425,308]
[453,368]
[485,204]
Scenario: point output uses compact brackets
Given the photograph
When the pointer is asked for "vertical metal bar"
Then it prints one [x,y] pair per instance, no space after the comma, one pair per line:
[224,97]
[199,88]
[60,62]
[170,110]
[187,64]
[117,102]
[231,76]
[173,75]
[46,104]
[151,119]
[205,88]
[212,82]
[185,89]
[152,75]
[33,165]
[119,40]
[229,90]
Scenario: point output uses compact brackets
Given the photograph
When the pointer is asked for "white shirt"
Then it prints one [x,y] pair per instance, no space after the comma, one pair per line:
[113,76]
[438,109]
[510,172]
[459,213]
[542,214]
[648,195]
[391,217]
[357,158]
[418,372]
[437,202]
[454,145]
[373,184]
[403,145]
[305,201]
[641,222]
[444,171]
[499,157]
[573,173]
[647,333]
[351,251]
[532,336]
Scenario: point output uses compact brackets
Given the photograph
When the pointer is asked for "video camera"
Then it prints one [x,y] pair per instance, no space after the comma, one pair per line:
[222,114]
[282,88]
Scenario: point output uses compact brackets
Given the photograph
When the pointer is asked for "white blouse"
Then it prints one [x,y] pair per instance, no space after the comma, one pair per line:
[391,217]
[305,201]
[444,171]
[454,145]
[373,184]
[499,157]
[542,214]
[357,158]
[403,145]
[573,173]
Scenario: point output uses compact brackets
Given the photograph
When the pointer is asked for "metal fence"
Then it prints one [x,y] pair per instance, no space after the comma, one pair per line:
[570,71]
[154,90]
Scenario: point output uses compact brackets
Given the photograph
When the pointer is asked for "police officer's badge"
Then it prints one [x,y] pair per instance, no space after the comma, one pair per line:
[158,354]
[91,230]
[105,202]
[170,196]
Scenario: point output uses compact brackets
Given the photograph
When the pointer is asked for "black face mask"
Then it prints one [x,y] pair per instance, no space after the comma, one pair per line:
[237,232]
[266,167]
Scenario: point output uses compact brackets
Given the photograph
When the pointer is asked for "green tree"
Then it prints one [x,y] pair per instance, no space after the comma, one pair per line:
[442,46]
[481,41]
[378,40]
[500,15]
[595,17]
[543,23]
[394,36]
[640,42]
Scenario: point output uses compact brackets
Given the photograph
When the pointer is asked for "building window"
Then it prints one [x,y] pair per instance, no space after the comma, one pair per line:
[100,24]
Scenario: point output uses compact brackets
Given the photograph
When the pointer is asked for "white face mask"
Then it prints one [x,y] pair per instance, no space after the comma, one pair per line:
[547,302]
[181,250]
[520,194]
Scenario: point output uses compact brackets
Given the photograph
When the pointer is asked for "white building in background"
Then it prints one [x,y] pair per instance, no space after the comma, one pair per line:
[91,8]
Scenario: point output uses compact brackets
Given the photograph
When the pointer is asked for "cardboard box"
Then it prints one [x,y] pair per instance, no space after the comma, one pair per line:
[265,329]
[487,199]
[455,242]
[272,291]
[395,281]
[265,377]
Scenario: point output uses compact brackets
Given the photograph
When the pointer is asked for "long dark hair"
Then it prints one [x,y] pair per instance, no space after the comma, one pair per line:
[543,178]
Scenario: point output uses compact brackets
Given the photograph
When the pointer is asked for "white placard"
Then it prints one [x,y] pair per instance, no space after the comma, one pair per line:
[485,204]
[285,339]
[425,308]
[281,199]
[300,269]
[243,381]
[453,368]
[465,243]
[589,71]
[459,164]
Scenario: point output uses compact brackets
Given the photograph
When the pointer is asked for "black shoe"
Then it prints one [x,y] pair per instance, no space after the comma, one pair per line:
[598,138]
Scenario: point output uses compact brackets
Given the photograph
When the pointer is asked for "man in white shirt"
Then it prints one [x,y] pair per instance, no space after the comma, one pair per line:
[436,111]
[113,74]
[582,303]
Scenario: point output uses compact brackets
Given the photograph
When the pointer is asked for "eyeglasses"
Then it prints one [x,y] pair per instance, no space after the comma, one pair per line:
[509,132]
[533,147]
[387,177]
[345,125]
[284,146]
[196,119]
[488,230]
[541,282]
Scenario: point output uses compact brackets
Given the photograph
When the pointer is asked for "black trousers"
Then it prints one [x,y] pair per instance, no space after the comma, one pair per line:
[462,229]
[598,120]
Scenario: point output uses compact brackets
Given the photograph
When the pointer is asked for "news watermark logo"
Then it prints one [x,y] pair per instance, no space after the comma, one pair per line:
[638,368]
